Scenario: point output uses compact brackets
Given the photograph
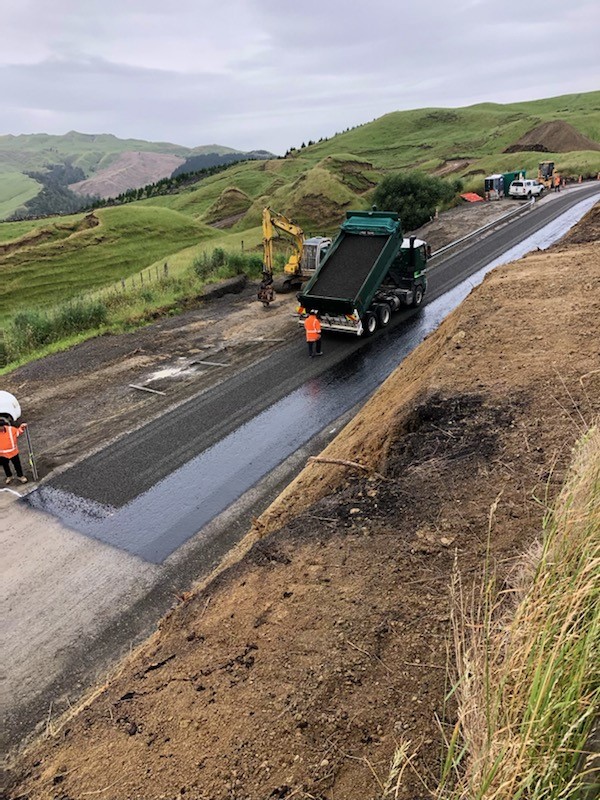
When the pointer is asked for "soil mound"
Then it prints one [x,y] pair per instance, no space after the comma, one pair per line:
[553,137]
[56,231]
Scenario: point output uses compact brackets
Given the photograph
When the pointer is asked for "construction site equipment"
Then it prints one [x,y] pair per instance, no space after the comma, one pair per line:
[497,186]
[32,463]
[369,272]
[305,257]
[546,173]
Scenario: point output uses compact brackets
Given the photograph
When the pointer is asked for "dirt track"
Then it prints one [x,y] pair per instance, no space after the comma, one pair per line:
[297,671]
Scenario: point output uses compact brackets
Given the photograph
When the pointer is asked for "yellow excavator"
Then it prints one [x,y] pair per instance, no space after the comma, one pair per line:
[305,257]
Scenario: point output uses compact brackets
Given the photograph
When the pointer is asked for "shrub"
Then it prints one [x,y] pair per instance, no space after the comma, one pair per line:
[147,295]
[30,330]
[221,265]
[415,196]
[218,258]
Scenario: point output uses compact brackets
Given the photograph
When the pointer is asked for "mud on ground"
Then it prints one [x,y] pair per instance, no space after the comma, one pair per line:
[297,671]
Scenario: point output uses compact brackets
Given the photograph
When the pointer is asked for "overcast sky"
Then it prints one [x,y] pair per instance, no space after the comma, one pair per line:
[270,74]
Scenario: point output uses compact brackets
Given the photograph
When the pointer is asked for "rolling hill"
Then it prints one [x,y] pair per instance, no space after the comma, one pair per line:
[313,185]
[104,165]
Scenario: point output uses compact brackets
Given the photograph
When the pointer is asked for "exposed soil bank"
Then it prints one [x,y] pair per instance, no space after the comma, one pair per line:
[297,670]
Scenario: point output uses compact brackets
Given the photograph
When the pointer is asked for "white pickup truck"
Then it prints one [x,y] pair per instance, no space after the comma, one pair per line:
[525,188]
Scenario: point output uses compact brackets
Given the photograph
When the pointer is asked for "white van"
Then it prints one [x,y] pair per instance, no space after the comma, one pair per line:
[525,188]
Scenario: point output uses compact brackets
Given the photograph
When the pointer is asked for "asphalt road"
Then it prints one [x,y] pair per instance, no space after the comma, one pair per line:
[133,464]
[75,604]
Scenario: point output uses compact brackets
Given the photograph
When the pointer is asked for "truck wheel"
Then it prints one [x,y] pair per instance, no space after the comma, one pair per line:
[417,297]
[384,314]
[369,323]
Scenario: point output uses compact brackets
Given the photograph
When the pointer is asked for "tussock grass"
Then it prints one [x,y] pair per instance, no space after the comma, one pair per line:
[33,329]
[528,660]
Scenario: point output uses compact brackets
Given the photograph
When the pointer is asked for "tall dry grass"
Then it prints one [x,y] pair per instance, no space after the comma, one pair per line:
[528,660]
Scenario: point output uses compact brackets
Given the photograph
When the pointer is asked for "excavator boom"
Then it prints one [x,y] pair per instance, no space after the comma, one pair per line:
[297,268]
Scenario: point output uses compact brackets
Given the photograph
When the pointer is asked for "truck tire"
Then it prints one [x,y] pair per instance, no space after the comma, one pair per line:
[417,296]
[369,323]
[384,314]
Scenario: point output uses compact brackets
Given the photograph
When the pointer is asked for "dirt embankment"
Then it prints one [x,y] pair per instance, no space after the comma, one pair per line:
[56,231]
[553,137]
[297,671]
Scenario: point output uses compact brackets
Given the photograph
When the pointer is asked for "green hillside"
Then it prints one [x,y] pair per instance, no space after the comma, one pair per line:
[15,189]
[90,152]
[66,257]
[314,186]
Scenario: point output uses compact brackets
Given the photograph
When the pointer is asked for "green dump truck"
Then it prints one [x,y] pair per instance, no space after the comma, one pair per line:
[369,272]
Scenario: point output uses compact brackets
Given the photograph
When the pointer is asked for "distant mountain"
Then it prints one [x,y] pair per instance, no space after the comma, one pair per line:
[98,165]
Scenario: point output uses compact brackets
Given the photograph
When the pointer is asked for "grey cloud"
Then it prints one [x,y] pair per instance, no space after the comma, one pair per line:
[284,73]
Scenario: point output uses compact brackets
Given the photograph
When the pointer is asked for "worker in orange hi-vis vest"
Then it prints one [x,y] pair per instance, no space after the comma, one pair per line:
[312,326]
[9,450]
[557,183]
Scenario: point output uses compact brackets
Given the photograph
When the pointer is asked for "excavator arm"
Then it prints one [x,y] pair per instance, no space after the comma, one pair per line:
[272,221]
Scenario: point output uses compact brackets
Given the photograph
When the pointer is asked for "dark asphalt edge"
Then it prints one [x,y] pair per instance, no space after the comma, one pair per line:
[100,655]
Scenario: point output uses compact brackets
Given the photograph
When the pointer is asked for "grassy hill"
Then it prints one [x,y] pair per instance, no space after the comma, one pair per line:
[314,185]
[92,153]
[66,257]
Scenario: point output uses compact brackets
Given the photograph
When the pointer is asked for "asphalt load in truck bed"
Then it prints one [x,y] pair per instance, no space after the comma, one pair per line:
[346,270]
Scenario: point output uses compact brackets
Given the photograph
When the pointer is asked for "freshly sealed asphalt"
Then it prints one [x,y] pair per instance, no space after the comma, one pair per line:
[176,473]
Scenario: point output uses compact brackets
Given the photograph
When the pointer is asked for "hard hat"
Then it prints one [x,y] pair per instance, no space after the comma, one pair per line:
[9,405]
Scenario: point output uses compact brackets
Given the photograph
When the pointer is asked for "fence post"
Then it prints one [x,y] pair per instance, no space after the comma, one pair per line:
[166,270]
[242,245]
[123,283]
[142,278]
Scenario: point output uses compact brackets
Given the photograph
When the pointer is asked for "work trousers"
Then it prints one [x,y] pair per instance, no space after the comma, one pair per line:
[17,465]
[316,346]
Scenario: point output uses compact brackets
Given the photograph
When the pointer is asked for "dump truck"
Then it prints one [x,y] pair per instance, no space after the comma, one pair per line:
[369,272]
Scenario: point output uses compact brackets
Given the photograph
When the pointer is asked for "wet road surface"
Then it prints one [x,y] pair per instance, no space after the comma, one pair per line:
[151,491]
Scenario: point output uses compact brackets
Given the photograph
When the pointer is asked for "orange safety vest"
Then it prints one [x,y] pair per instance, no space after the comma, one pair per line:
[312,326]
[8,440]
